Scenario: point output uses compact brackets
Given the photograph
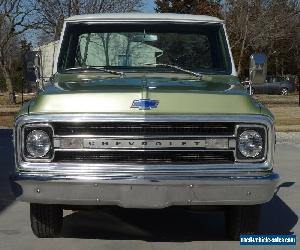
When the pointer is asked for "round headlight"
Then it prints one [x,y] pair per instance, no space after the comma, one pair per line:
[38,143]
[250,143]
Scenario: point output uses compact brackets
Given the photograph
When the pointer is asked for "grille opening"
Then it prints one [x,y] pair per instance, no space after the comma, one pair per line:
[146,157]
[144,128]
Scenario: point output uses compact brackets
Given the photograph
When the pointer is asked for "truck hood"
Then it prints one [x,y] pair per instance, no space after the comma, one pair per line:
[176,94]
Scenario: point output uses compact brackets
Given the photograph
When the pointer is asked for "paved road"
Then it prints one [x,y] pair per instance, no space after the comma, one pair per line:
[147,229]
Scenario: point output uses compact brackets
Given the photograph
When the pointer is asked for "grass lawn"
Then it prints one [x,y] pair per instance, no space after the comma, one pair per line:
[6,121]
[285,109]
[7,112]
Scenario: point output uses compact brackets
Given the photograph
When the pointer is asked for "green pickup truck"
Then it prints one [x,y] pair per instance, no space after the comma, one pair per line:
[144,111]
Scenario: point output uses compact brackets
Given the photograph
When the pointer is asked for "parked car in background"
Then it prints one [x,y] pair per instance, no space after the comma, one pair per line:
[294,79]
[273,85]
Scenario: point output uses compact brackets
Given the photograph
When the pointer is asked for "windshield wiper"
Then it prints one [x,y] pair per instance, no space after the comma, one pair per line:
[176,67]
[120,73]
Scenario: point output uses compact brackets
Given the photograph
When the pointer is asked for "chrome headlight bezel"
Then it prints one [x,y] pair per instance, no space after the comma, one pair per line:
[26,130]
[262,131]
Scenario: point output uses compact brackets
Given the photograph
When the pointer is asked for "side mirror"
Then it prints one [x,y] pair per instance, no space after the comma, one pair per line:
[258,68]
[32,64]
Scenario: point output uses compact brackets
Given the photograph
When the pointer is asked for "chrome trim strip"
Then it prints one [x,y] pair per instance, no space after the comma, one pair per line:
[35,118]
[119,169]
[144,137]
[140,150]
[115,144]
[209,177]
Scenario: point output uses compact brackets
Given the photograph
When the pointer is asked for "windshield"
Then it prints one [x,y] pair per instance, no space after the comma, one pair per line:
[200,48]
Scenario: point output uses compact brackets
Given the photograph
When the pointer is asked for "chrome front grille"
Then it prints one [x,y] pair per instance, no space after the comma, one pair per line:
[70,141]
[76,160]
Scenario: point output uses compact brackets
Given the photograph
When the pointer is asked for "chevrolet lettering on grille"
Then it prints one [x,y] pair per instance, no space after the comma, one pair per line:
[102,143]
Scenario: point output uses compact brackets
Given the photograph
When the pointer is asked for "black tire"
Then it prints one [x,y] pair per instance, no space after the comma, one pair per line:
[241,220]
[46,220]
[284,91]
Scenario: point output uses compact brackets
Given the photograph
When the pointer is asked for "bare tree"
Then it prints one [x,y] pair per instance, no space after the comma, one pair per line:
[16,17]
[105,38]
[199,7]
[53,12]
[259,25]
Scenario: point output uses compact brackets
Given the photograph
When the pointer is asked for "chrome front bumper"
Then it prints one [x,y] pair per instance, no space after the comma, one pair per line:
[145,192]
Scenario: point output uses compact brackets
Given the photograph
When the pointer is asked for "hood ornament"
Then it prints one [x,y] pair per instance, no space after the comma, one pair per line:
[145,104]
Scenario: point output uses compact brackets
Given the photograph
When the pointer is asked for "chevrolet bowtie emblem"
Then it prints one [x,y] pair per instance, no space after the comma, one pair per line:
[144,104]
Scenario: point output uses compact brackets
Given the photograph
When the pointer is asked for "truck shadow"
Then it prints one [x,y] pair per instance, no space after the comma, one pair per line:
[277,217]
[6,167]
[169,225]
[142,224]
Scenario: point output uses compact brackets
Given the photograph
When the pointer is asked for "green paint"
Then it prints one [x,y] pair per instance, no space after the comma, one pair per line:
[180,94]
